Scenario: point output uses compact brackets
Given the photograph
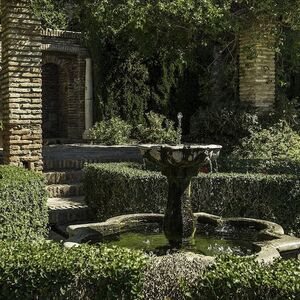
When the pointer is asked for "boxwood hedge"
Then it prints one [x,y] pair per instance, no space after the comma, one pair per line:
[113,189]
[240,278]
[46,270]
[265,166]
[23,210]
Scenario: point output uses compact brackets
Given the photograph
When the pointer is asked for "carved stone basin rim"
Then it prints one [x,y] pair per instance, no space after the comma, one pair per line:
[165,154]
[180,147]
[275,244]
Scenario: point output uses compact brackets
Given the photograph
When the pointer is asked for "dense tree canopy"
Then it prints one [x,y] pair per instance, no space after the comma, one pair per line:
[160,55]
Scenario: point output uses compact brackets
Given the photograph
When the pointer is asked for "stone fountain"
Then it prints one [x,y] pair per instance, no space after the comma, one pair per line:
[179,164]
[179,224]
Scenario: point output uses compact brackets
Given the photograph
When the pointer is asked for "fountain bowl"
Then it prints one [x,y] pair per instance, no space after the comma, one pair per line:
[179,155]
[179,163]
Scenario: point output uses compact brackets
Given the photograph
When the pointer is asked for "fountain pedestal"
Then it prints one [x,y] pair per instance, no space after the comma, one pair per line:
[179,220]
[179,164]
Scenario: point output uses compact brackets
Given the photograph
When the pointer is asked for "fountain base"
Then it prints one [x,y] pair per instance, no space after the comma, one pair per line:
[214,236]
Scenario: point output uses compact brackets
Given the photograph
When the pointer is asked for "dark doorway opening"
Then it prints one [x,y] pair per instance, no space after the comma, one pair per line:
[54,102]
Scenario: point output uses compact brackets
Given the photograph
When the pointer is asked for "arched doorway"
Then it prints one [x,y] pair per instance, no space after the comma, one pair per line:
[54,95]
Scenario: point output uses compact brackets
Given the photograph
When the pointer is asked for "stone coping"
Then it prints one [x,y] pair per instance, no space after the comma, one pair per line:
[95,146]
[61,33]
[275,243]
[180,147]
[57,33]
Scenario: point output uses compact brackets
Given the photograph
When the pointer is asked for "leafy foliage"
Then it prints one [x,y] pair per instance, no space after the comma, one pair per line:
[244,279]
[116,189]
[233,164]
[148,55]
[158,130]
[143,55]
[164,55]
[46,270]
[116,131]
[164,275]
[225,125]
[23,209]
[52,13]
[279,141]
[112,132]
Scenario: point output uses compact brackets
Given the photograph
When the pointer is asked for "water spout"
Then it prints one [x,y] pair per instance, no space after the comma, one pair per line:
[179,128]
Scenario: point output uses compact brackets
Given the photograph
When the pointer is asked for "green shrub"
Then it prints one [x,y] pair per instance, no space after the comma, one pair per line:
[23,209]
[278,141]
[111,132]
[240,278]
[273,150]
[158,130]
[116,131]
[233,164]
[115,189]
[46,270]
[225,126]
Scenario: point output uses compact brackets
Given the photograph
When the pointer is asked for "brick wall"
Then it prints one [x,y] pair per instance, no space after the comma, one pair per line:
[64,49]
[63,106]
[69,94]
[257,69]
[21,85]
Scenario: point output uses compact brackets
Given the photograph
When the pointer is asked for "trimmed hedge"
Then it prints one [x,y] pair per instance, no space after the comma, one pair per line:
[240,278]
[264,166]
[114,189]
[23,209]
[46,270]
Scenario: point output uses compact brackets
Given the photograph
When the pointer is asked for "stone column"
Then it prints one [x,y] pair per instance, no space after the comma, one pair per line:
[257,69]
[21,85]
[88,97]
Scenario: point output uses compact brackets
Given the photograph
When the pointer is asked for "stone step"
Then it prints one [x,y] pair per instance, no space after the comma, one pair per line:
[72,210]
[65,190]
[63,177]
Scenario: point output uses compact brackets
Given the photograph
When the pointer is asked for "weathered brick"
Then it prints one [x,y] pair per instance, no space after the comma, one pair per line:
[21,73]
[257,68]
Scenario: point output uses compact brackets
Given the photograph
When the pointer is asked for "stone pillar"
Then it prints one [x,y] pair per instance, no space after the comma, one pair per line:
[257,69]
[21,85]
[88,97]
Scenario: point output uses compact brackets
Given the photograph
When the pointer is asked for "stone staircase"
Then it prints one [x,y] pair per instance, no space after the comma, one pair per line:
[63,170]
[66,196]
